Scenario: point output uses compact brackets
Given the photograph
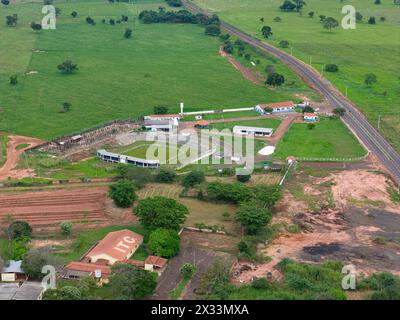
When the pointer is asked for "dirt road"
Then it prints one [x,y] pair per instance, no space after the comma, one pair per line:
[8,170]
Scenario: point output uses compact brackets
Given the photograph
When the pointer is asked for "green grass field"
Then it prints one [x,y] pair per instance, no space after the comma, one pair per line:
[223,115]
[264,123]
[329,139]
[117,78]
[3,148]
[368,48]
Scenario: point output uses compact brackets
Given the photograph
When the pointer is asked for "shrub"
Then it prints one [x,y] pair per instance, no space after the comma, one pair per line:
[187,270]
[331,68]
[284,44]
[213,30]
[66,228]
[243,178]
[260,283]
[18,229]
[128,33]
[165,175]
[193,178]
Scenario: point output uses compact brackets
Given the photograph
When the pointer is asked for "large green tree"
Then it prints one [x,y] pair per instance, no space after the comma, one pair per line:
[123,193]
[131,282]
[18,229]
[330,23]
[161,212]
[34,261]
[252,217]
[164,242]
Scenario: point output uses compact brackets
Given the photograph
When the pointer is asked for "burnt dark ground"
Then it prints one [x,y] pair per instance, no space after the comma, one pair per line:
[381,254]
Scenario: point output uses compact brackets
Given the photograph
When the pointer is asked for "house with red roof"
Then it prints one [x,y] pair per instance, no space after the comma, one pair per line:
[310,117]
[286,106]
[115,246]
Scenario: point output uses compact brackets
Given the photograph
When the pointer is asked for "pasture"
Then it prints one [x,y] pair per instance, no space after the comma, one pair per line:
[117,78]
[263,123]
[366,49]
[330,138]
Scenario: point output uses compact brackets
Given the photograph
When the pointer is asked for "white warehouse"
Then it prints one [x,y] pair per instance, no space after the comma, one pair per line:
[257,131]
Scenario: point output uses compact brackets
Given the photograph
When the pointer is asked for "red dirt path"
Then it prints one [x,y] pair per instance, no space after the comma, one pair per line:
[8,171]
[46,208]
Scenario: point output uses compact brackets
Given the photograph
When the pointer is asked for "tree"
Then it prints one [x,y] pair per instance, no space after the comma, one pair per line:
[66,107]
[213,30]
[371,20]
[277,19]
[187,270]
[193,178]
[65,293]
[267,195]
[215,282]
[74,14]
[377,2]
[160,109]
[370,79]
[36,26]
[161,212]
[243,178]
[308,109]
[284,44]
[252,217]
[14,80]
[275,79]
[128,33]
[131,282]
[311,14]
[270,69]
[359,16]
[11,21]
[67,67]
[228,48]
[299,4]
[124,18]
[123,193]
[330,23]
[18,229]
[261,19]
[166,175]
[287,6]
[2,263]
[66,228]
[164,242]
[310,126]
[19,248]
[339,111]
[58,11]
[34,261]
[266,31]
[89,20]
[5,2]
[322,18]
[331,68]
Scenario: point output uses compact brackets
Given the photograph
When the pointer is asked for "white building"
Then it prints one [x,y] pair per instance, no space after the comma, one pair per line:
[310,117]
[257,131]
[286,106]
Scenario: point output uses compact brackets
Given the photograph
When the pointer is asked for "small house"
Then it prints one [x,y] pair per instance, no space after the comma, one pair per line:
[310,117]
[154,263]
[202,124]
[12,271]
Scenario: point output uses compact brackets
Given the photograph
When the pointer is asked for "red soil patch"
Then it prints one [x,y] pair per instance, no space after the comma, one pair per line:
[49,208]
[8,170]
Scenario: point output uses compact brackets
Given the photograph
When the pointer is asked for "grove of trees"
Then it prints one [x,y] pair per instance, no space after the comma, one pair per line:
[123,193]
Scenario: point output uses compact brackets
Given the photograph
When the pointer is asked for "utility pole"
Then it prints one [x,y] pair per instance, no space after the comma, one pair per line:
[310,61]
[291,51]
[346,90]
[379,122]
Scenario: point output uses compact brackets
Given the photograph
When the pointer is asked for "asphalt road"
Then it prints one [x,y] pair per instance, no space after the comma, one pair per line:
[354,119]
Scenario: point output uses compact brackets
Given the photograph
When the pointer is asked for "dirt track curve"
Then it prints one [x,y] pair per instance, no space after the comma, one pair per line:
[8,169]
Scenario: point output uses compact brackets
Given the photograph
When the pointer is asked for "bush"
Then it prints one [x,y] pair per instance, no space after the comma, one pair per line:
[164,243]
[18,229]
[123,193]
[34,261]
[128,33]
[260,283]
[193,178]
[66,228]
[213,30]
[284,44]
[166,175]
[331,68]
[187,270]
[252,217]
[243,177]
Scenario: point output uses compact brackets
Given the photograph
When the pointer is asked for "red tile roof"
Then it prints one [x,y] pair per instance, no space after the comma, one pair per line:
[88,267]
[202,123]
[156,261]
[285,104]
[117,244]
[166,116]
[136,263]
[309,115]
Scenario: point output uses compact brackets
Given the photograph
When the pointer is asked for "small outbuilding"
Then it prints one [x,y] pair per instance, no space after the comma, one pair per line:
[286,106]
[310,117]
[257,131]
[12,271]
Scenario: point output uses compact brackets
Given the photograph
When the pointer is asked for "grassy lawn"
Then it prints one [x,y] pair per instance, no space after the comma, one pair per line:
[223,115]
[177,292]
[329,139]
[141,253]
[49,166]
[366,49]
[85,240]
[264,123]
[117,77]
[3,148]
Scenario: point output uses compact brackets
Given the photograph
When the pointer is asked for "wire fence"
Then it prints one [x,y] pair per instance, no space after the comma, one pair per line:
[338,159]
